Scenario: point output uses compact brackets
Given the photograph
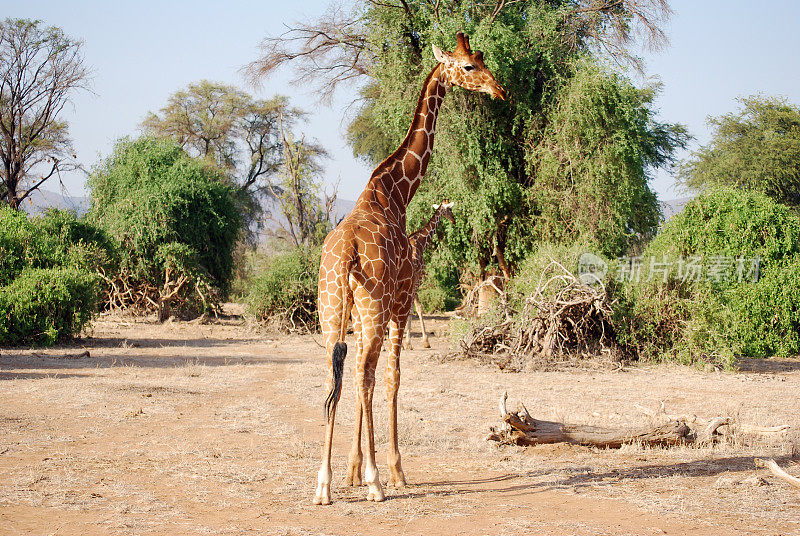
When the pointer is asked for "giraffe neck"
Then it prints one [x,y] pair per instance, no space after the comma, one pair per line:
[395,181]
[421,238]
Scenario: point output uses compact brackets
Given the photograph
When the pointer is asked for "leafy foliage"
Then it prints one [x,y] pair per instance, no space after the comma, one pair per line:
[756,148]
[285,292]
[717,317]
[590,165]
[175,219]
[56,239]
[45,305]
[48,288]
[568,155]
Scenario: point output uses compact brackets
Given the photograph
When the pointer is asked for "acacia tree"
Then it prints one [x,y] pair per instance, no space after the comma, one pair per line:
[40,68]
[568,156]
[756,148]
[219,122]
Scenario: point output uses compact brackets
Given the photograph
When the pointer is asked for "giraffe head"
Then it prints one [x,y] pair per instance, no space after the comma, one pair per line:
[466,69]
[445,209]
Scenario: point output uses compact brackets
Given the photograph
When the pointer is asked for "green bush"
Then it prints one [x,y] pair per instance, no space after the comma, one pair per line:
[75,242]
[45,305]
[286,290]
[18,237]
[174,218]
[435,299]
[48,281]
[439,291]
[766,315]
[718,318]
[57,238]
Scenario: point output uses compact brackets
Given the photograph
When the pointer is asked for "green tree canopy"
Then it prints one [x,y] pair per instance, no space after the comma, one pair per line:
[40,68]
[238,132]
[755,148]
[568,154]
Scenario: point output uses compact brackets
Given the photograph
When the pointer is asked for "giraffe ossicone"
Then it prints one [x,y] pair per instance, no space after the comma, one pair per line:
[367,271]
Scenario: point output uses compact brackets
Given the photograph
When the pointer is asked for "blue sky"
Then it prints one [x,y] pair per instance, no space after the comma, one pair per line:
[141,52]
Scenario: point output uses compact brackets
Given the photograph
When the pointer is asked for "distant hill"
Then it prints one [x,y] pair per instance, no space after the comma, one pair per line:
[673,206]
[40,200]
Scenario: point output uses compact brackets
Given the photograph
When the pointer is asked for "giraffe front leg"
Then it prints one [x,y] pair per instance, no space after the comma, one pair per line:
[392,381]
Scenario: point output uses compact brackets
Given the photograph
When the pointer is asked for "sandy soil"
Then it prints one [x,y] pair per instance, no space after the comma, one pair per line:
[216,429]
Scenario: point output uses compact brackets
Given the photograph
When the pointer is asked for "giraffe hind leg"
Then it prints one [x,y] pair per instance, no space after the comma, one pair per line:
[392,381]
[374,317]
[324,476]
[356,458]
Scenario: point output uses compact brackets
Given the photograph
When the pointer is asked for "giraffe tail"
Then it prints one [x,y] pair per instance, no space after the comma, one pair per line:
[340,347]
[339,353]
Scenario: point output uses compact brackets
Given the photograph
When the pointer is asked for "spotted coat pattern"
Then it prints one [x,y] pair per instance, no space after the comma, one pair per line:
[367,268]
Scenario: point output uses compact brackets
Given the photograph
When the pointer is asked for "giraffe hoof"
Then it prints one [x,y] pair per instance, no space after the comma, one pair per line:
[426,344]
[375,495]
[322,500]
[323,495]
[398,481]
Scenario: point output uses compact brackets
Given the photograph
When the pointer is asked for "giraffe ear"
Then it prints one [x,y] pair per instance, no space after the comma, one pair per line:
[448,205]
[441,56]
[435,207]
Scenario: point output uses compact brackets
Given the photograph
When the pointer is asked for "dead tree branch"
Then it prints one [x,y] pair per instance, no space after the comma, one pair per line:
[521,428]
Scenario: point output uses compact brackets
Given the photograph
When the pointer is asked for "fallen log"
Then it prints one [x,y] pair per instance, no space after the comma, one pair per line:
[522,429]
[776,470]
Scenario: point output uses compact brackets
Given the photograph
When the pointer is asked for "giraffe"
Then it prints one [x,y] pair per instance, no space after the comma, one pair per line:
[366,267]
[419,241]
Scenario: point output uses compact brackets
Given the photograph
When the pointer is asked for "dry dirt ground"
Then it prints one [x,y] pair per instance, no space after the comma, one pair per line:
[217,429]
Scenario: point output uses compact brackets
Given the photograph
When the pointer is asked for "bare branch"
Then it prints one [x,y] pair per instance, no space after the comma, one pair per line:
[329,51]
[613,25]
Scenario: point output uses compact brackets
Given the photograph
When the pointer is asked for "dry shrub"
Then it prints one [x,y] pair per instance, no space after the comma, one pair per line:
[563,318]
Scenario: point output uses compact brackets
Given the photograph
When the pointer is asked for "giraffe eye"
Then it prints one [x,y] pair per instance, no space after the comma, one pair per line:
[469,67]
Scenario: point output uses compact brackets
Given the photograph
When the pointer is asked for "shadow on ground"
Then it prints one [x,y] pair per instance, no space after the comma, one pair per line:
[768,366]
[576,478]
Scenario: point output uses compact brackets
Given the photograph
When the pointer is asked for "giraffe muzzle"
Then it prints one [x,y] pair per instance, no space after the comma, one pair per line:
[499,93]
